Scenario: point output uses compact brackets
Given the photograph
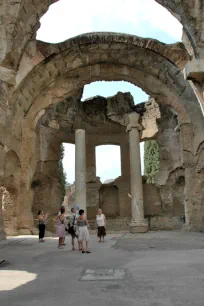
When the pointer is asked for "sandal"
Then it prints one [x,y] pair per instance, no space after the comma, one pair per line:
[88,252]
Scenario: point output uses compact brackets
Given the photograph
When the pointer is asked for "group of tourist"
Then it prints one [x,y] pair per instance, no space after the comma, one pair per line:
[77,228]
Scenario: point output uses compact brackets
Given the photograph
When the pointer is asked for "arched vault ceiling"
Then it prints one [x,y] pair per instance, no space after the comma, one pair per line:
[105,56]
[175,53]
[20,22]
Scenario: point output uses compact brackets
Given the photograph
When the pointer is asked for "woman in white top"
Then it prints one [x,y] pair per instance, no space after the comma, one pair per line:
[101,224]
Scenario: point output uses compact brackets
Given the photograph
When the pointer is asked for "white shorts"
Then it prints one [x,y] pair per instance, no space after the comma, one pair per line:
[83,233]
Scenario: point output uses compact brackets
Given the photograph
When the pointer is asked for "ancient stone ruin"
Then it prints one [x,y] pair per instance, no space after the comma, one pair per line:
[41,86]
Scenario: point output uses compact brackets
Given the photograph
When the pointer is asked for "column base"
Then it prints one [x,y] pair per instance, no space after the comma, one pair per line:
[139,226]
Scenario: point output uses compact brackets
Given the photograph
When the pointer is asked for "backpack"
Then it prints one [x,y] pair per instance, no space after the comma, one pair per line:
[71,227]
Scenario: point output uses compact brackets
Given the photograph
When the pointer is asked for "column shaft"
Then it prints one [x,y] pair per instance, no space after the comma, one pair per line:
[136,177]
[80,169]
[138,224]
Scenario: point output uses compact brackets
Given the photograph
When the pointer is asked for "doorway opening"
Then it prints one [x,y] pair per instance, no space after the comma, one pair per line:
[108,162]
[108,168]
[68,163]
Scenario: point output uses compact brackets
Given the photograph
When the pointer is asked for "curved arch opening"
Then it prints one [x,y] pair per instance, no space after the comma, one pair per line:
[145,18]
[111,88]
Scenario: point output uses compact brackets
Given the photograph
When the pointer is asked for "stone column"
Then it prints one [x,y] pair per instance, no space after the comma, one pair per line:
[138,223]
[80,169]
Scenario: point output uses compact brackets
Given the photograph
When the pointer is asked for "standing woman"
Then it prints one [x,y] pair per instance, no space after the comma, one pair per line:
[41,225]
[61,227]
[101,225]
[83,231]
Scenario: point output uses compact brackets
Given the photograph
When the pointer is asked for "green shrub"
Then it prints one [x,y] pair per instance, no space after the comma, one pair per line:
[151,160]
[63,176]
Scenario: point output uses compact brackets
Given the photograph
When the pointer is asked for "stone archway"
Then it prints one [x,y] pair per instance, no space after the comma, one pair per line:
[25,23]
[143,66]
[109,57]
[60,70]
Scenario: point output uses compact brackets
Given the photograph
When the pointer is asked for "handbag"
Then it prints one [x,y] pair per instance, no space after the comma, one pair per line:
[71,228]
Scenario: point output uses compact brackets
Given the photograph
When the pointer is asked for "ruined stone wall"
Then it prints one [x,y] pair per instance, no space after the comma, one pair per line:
[195,182]
[164,207]
[9,212]
[9,169]
[146,63]
[98,193]
[10,188]
[164,203]
[168,138]
[117,66]
[47,192]
[109,200]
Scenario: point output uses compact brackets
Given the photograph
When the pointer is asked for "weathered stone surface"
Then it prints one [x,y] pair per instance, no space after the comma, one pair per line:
[149,119]
[7,75]
[162,203]
[190,14]
[9,212]
[47,74]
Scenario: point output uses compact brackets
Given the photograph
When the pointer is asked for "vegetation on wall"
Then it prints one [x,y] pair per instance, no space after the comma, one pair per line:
[63,176]
[151,160]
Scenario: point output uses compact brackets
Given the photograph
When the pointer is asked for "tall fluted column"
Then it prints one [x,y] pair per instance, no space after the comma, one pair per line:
[138,223]
[80,169]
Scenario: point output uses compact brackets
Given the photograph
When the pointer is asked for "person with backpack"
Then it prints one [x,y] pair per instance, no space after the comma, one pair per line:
[61,227]
[73,229]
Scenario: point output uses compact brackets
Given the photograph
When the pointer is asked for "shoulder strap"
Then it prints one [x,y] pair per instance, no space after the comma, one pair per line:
[61,220]
[73,220]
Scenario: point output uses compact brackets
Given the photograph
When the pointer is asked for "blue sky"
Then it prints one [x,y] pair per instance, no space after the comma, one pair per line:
[145,18]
